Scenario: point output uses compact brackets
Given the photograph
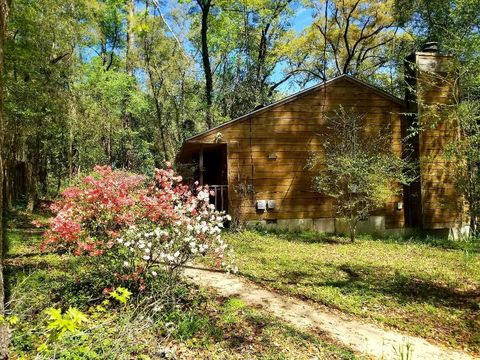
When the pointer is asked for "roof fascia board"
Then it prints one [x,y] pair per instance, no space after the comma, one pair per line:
[296,96]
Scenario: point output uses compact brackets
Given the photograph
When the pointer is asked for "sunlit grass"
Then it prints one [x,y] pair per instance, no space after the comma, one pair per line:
[203,326]
[429,289]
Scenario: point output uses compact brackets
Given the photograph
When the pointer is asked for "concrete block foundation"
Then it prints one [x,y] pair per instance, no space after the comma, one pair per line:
[326,225]
[374,225]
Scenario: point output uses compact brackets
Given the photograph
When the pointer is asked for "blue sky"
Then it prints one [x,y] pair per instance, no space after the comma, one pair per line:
[302,18]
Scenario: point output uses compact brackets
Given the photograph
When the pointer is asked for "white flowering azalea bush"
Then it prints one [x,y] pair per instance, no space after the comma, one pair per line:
[187,228]
[155,228]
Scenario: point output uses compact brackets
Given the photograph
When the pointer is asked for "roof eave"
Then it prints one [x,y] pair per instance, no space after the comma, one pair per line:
[295,96]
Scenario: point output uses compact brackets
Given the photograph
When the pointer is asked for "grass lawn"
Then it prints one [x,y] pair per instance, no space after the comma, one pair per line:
[202,326]
[427,289]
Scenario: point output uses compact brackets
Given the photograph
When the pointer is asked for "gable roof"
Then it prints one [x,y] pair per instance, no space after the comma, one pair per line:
[300,94]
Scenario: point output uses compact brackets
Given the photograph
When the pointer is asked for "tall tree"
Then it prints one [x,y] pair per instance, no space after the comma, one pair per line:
[205,7]
[126,152]
[455,25]
[358,169]
[4,11]
[171,83]
[41,52]
[243,43]
[346,37]
[260,30]
[444,21]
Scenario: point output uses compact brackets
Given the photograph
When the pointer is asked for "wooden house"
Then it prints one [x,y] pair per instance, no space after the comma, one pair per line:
[256,164]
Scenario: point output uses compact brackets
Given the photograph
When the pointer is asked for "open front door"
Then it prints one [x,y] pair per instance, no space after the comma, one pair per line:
[209,164]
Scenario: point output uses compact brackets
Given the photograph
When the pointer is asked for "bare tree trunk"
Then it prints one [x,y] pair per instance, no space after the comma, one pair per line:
[353,231]
[126,155]
[33,172]
[4,333]
[158,106]
[70,141]
[159,113]
[130,37]
[31,182]
[205,6]
[10,173]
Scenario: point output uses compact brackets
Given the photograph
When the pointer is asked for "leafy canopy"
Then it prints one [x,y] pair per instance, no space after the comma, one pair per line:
[358,167]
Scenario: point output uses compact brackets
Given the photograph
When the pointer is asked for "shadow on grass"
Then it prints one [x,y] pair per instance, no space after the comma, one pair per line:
[308,237]
[377,280]
[418,237]
[40,271]
[411,293]
[19,256]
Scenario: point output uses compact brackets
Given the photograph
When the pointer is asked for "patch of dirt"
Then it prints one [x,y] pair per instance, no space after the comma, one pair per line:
[365,338]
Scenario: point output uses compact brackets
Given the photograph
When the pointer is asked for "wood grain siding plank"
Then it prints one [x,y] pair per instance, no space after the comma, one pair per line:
[308,117]
[361,108]
[300,136]
[353,102]
[292,132]
[287,215]
[265,174]
[293,202]
[280,195]
[279,182]
[439,196]
[291,188]
[300,128]
[312,146]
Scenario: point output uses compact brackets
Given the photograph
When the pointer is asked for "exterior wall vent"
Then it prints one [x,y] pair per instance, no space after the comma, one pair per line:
[261,205]
[271,204]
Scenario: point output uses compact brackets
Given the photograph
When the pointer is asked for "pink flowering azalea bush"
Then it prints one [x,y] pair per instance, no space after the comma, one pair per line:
[91,213]
[138,227]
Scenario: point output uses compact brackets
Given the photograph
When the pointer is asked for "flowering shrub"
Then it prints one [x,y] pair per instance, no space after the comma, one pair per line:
[91,213]
[140,226]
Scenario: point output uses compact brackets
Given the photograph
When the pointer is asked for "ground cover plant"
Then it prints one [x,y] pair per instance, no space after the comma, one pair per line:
[429,287]
[99,278]
[57,310]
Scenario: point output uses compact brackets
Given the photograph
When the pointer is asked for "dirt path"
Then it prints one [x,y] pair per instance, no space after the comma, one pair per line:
[364,338]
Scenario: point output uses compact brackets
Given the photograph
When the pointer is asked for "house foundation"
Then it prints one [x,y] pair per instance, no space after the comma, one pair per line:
[374,225]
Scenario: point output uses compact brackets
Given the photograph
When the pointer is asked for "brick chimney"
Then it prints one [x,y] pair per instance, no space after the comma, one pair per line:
[432,202]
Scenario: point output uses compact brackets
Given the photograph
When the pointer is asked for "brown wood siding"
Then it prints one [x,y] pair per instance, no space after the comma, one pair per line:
[292,132]
[441,204]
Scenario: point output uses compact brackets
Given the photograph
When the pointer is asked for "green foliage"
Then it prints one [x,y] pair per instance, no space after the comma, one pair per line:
[232,311]
[121,294]
[356,37]
[439,20]
[71,321]
[71,102]
[424,287]
[358,169]
[10,320]
[245,41]
[122,326]
[189,324]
